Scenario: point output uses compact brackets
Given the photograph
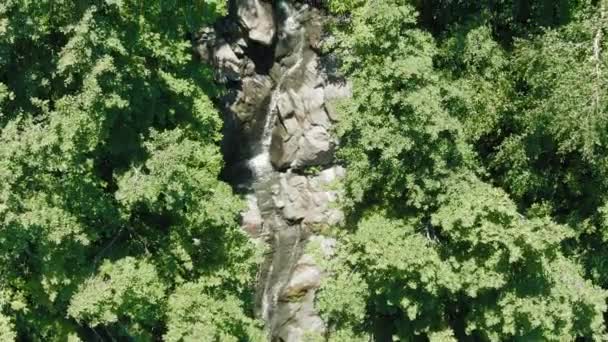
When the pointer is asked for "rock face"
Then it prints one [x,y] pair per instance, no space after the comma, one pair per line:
[279,112]
[309,199]
[257,17]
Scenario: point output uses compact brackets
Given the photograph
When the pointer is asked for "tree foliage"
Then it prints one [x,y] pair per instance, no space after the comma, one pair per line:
[110,203]
[474,143]
[476,192]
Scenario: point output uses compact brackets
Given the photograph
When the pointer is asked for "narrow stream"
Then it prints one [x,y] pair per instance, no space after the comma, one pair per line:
[269,53]
[283,238]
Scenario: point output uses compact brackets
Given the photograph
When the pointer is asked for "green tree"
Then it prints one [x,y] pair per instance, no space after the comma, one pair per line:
[199,312]
[109,162]
[437,250]
[126,290]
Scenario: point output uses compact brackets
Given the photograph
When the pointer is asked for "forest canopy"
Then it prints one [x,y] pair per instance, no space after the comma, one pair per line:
[114,223]
[476,191]
[475,144]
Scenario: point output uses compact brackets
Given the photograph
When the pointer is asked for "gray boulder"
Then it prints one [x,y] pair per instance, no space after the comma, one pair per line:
[257,18]
[303,139]
[306,276]
[311,199]
[227,62]
[299,320]
[298,317]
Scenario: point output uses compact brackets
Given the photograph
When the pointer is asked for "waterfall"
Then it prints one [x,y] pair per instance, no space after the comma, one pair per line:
[277,101]
[263,172]
[260,164]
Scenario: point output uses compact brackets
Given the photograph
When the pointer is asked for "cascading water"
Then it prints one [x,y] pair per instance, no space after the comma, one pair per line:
[265,175]
[260,164]
[278,86]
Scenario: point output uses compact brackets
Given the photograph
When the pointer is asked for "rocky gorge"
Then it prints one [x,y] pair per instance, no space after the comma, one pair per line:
[278,112]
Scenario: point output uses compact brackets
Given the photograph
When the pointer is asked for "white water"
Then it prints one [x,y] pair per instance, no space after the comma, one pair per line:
[260,164]
[263,171]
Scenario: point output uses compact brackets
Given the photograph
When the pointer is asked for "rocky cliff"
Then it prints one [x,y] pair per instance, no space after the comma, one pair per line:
[280,153]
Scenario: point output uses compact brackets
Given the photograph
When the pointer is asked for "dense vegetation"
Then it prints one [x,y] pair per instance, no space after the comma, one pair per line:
[476,144]
[113,223]
[476,149]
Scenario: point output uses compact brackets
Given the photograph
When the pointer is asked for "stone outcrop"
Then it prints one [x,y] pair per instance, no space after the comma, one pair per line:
[279,111]
[310,199]
[257,17]
[302,138]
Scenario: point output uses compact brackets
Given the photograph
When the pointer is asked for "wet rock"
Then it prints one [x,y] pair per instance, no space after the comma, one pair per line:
[257,17]
[288,42]
[283,150]
[298,320]
[304,278]
[276,72]
[279,108]
[291,35]
[251,220]
[252,99]
[298,316]
[295,196]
